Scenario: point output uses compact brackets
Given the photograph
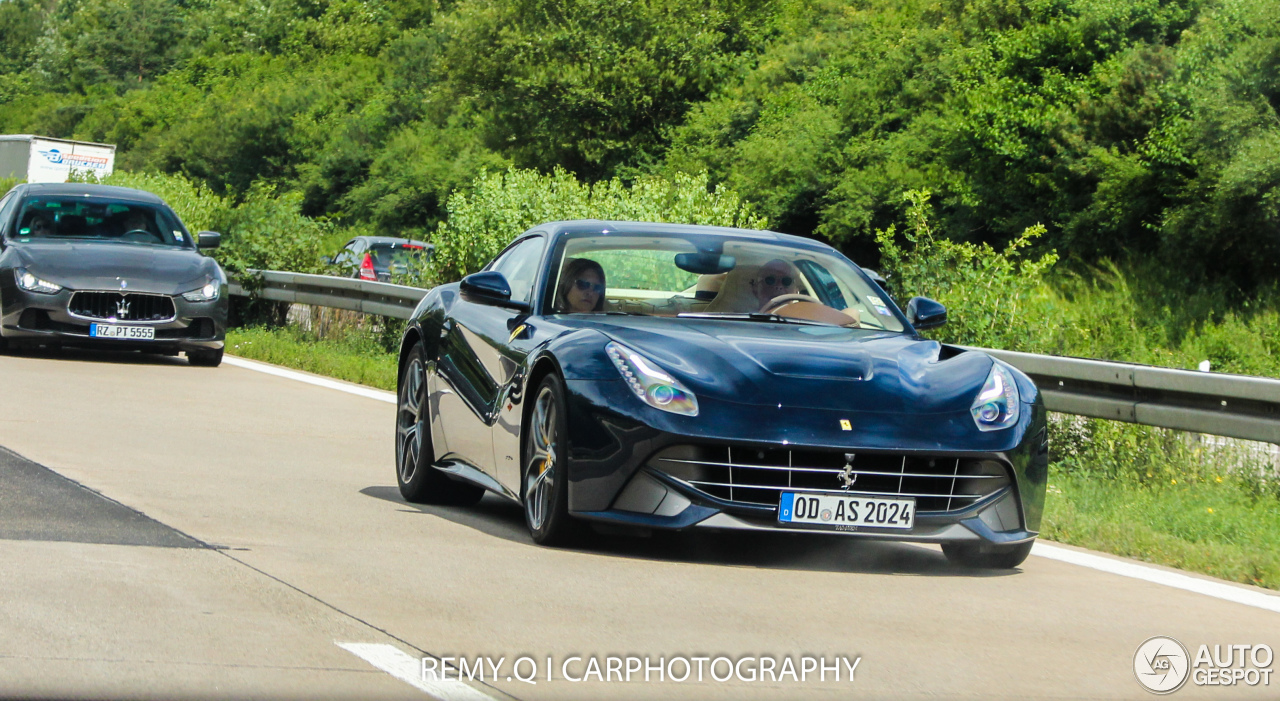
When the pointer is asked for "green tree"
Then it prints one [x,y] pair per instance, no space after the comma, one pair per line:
[92,42]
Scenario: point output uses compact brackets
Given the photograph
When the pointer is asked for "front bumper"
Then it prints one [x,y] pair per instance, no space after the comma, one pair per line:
[37,319]
[616,473]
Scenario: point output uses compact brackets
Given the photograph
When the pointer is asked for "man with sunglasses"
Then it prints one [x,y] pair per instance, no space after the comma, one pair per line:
[775,278]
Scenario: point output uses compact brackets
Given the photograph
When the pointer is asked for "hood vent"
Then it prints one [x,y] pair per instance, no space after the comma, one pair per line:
[813,361]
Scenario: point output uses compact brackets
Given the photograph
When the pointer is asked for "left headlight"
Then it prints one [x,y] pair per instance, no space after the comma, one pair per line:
[29,282]
[997,404]
[208,293]
[650,383]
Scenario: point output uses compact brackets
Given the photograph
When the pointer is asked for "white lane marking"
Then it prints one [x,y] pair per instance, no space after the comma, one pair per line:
[369,392]
[406,668]
[1123,568]
[1218,590]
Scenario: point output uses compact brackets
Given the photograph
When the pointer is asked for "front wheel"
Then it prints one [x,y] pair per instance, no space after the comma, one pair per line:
[545,480]
[994,557]
[419,482]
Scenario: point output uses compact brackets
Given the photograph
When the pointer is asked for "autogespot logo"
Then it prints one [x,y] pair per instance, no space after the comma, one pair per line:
[1161,665]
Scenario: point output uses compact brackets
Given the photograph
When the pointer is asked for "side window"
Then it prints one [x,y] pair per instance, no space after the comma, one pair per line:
[519,265]
[347,256]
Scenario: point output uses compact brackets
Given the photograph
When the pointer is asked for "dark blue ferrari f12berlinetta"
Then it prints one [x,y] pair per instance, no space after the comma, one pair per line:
[671,377]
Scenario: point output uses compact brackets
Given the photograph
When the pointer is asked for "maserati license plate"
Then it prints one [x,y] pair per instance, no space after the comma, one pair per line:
[846,510]
[128,333]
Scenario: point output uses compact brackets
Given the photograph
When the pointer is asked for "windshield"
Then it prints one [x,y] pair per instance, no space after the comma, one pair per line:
[699,276]
[77,218]
[397,257]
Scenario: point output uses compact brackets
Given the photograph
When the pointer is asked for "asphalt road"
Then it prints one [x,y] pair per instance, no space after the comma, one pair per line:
[177,532]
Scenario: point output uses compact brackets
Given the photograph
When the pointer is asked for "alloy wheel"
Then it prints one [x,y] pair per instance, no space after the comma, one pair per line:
[409,422]
[540,475]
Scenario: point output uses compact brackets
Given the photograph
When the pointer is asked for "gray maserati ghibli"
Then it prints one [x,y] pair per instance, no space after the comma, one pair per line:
[107,267]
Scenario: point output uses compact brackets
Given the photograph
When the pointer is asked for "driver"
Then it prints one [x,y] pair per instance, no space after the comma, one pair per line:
[136,221]
[774,279]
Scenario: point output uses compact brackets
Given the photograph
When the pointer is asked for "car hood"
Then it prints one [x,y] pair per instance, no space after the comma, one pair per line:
[103,266]
[804,366]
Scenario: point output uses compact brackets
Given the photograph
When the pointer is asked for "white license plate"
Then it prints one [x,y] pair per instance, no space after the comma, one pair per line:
[128,333]
[846,511]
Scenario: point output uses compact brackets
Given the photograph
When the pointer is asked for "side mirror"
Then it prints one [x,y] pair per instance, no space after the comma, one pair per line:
[208,239]
[489,288]
[924,313]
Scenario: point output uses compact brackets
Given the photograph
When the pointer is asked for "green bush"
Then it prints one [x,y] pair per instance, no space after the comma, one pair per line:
[502,205]
[1008,300]
[996,299]
[267,231]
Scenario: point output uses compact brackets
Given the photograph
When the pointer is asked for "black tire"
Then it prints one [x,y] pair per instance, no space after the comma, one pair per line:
[205,358]
[544,483]
[992,557]
[420,483]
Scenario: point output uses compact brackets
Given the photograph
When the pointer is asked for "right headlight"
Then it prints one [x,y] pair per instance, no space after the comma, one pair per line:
[996,406]
[29,282]
[650,383]
[208,293]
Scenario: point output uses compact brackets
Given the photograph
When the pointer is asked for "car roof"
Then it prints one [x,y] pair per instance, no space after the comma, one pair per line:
[389,240]
[122,193]
[581,226]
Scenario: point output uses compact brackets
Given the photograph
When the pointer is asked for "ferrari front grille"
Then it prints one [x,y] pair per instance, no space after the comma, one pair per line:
[122,306]
[758,476]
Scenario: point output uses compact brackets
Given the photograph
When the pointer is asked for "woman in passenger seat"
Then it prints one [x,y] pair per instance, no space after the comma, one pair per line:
[581,287]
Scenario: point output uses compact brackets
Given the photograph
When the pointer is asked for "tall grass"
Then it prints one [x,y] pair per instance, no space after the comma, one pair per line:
[1165,496]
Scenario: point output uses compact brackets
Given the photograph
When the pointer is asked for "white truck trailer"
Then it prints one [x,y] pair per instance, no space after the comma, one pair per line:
[39,159]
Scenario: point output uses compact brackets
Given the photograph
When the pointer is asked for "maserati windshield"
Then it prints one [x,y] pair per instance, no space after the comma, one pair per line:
[71,218]
[743,279]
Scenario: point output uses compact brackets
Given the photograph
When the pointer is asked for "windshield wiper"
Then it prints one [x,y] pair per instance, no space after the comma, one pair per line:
[752,316]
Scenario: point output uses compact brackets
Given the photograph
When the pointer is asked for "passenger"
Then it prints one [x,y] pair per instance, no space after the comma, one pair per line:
[581,287]
[775,278]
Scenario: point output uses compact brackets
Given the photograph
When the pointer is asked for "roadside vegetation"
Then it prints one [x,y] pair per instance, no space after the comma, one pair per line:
[1210,506]
[352,355]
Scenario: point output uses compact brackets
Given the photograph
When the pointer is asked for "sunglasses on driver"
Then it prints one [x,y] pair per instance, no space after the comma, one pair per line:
[584,285]
[771,280]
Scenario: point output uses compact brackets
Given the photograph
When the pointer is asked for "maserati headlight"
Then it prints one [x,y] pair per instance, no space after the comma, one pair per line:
[29,282]
[651,383]
[997,404]
[208,293]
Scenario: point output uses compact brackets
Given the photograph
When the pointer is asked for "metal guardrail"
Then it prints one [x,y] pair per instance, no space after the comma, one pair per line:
[382,298]
[1235,406]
